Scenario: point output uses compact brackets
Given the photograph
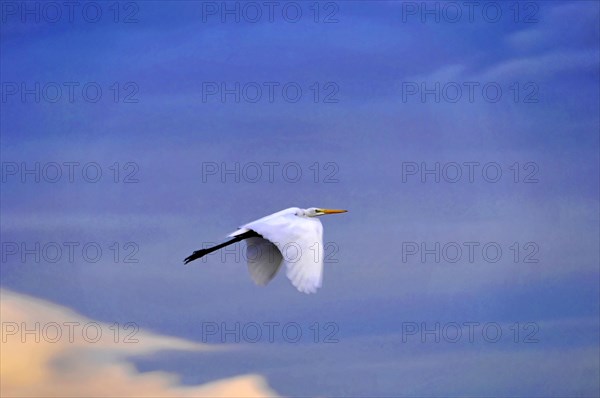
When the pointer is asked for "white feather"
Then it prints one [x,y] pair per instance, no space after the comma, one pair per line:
[299,240]
[264,260]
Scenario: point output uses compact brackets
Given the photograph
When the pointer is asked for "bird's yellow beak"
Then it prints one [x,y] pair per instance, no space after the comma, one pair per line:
[333,211]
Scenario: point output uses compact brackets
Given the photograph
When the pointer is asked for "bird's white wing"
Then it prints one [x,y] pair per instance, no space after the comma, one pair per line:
[300,242]
[264,260]
[272,219]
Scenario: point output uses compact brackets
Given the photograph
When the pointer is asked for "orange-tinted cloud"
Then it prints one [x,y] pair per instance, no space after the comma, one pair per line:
[45,363]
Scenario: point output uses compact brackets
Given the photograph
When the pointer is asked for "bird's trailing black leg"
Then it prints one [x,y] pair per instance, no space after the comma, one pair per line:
[203,252]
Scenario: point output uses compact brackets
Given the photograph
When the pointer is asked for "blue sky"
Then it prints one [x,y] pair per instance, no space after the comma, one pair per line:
[365,139]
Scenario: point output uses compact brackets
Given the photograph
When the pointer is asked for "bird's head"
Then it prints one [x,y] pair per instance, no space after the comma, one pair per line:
[316,212]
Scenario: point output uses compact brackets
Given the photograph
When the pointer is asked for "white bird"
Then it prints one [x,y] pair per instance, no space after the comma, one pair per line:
[292,236]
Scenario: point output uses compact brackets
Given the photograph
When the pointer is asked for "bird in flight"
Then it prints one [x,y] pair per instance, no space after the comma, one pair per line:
[292,236]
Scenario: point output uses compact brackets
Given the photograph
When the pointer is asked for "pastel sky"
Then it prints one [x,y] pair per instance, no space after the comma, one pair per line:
[356,134]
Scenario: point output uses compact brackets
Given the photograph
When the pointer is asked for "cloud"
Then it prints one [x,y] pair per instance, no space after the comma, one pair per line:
[553,45]
[534,66]
[51,222]
[543,65]
[556,28]
[44,363]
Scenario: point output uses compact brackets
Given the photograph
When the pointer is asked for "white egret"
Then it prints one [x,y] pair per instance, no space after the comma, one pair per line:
[292,236]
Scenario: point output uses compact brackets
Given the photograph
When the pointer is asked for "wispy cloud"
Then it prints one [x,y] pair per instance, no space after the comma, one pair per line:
[42,364]
[543,66]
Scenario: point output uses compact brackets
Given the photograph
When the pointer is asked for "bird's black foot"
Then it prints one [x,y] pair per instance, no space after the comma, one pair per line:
[196,255]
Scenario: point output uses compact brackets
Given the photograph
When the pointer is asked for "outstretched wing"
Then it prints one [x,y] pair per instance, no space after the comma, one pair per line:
[300,243]
[264,260]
